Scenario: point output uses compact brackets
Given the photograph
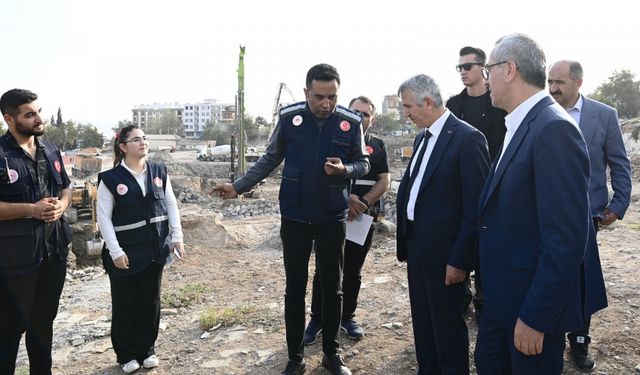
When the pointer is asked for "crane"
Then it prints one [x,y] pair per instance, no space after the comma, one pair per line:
[277,106]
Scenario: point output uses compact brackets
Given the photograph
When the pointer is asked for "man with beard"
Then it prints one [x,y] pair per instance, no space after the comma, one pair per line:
[34,238]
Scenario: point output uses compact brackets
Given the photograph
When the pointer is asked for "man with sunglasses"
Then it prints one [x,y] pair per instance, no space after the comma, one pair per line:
[473,105]
[366,192]
[34,238]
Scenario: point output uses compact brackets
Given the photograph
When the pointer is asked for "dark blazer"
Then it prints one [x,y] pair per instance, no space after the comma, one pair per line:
[534,222]
[601,131]
[445,210]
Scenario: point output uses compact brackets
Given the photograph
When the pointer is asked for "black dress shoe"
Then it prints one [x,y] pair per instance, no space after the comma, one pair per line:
[335,365]
[295,368]
[580,354]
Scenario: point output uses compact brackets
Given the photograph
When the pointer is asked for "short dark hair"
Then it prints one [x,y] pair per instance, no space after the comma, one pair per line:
[13,99]
[363,99]
[322,72]
[468,50]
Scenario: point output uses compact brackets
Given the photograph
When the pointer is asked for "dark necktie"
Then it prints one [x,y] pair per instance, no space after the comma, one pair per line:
[416,166]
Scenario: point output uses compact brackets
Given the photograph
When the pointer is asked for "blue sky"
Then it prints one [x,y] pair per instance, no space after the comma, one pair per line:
[97,60]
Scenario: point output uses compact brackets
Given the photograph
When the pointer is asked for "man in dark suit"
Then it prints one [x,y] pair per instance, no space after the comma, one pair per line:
[437,233]
[533,219]
[601,131]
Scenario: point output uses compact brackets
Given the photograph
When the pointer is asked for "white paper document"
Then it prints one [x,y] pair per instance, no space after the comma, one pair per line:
[358,229]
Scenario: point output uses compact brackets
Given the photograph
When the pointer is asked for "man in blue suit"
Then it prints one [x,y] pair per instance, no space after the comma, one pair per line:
[437,232]
[601,131]
[533,220]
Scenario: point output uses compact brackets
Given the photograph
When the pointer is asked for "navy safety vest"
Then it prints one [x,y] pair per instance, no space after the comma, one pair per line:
[307,193]
[140,222]
[19,250]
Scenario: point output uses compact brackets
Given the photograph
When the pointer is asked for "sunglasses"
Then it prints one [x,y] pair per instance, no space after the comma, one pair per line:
[363,114]
[467,66]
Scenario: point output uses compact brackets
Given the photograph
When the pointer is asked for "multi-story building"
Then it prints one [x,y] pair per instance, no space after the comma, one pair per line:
[143,114]
[194,116]
[391,103]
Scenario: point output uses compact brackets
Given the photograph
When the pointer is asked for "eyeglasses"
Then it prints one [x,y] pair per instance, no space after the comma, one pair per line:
[467,66]
[363,114]
[137,140]
[487,69]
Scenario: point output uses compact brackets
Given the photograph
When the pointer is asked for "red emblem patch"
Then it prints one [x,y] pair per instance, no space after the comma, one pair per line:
[13,175]
[369,150]
[122,189]
[56,165]
[157,181]
[345,126]
[297,120]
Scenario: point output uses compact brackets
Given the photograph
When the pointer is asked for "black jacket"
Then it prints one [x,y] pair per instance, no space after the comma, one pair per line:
[492,125]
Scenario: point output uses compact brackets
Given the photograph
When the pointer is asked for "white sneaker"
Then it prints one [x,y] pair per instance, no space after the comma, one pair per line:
[130,366]
[151,362]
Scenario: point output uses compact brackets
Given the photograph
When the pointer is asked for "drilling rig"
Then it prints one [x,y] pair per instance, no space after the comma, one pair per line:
[242,166]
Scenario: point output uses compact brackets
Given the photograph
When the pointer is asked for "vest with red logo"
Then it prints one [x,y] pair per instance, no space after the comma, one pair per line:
[141,222]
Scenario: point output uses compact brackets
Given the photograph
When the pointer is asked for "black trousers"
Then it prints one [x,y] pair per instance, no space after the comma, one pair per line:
[440,332]
[29,303]
[135,308]
[584,331]
[354,257]
[297,242]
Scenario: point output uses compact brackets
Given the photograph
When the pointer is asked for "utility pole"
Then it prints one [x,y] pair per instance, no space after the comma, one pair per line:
[242,167]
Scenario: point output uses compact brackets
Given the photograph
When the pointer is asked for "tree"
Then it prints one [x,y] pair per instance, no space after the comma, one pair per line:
[88,136]
[621,92]
[219,132]
[121,124]
[167,123]
[387,124]
[64,137]
[52,122]
[59,120]
[2,129]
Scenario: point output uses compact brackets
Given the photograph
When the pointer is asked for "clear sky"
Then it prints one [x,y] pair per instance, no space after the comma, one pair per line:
[97,60]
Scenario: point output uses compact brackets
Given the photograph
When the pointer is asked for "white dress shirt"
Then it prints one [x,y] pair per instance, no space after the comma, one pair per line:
[435,130]
[105,202]
[513,120]
[576,110]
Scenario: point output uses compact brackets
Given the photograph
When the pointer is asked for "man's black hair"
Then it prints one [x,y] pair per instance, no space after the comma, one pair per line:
[13,99]
[322,72]
[363,99]
[468,50]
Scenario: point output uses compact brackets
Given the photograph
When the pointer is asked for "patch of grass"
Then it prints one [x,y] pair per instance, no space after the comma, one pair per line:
[185,296]
[225,316]
[634,226]
[22,371]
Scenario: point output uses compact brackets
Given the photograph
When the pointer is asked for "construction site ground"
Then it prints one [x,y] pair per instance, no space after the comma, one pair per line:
[236,264]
